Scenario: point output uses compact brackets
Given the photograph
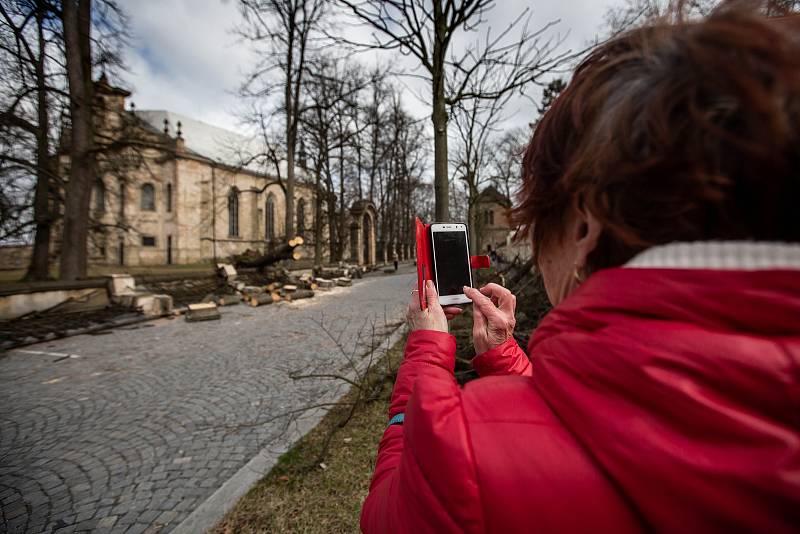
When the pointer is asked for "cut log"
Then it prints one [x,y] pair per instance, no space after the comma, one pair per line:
[229,300]
[272,286]
[206,311]
[251,290]
[290,288]
[264,298]
[299,294]
[343,281]
[226,271]
[324,283]
[296,241]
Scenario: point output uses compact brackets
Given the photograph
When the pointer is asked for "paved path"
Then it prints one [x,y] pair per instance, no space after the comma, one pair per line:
[131,430]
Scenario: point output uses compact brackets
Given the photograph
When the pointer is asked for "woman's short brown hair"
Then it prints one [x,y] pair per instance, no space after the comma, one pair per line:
[680,131]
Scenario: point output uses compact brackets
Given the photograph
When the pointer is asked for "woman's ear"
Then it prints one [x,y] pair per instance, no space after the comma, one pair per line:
[587,234]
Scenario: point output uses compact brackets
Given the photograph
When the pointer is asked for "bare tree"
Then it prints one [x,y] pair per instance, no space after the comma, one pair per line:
[426,30]
[76,19]
[634,13]
[29,41]
[474,120]
[505,160]
[374,112]
[329,97]
[406,159]
[283,31]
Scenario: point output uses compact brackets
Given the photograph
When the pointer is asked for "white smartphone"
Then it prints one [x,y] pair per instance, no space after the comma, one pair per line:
[451,269]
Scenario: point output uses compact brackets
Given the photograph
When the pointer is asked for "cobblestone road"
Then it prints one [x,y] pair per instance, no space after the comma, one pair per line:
[131,430]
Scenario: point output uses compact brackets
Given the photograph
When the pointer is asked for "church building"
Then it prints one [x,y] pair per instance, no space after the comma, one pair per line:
[173,190]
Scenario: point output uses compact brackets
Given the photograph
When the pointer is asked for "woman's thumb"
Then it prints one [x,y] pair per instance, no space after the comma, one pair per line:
[431,296]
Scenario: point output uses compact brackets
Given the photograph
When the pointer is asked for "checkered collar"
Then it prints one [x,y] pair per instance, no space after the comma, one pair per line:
[733,255]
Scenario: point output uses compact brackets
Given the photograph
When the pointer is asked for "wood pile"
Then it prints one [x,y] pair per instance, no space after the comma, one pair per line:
[302,288]
[343,270]
[272,282]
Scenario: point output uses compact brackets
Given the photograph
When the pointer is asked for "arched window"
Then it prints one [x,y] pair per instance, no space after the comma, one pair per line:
[269,228]
[100,196]
[169,197]
[122,200]
[301,216]
[233,212]
[148,197]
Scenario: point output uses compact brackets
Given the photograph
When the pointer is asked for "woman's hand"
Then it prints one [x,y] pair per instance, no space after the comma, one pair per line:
[434,317]
[493,316]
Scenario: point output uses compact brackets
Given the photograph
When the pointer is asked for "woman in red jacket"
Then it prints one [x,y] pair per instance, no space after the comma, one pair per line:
[662,192]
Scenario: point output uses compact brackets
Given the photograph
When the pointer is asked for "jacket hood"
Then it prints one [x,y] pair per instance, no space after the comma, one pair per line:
[684,385]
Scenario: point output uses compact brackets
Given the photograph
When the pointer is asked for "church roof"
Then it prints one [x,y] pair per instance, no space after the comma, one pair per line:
[225,146]
[491,194]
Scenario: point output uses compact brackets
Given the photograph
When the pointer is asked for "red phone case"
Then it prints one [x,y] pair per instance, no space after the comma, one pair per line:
[425,260]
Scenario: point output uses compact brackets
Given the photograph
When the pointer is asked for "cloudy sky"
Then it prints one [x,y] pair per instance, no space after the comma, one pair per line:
[186,58]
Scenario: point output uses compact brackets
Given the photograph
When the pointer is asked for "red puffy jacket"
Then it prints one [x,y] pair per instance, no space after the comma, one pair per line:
[654,399]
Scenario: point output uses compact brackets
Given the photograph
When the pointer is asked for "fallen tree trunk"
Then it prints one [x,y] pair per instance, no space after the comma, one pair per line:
[284,251]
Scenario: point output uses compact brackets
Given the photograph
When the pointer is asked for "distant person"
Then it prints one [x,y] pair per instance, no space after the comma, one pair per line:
[662,392]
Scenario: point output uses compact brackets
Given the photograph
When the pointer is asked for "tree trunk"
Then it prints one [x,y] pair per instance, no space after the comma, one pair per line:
[474,230]
[374,148]
[318,219]
[77,24]
[475,224]
[332,227]
[439,117]
[39,268]
[291,137]
[340,247]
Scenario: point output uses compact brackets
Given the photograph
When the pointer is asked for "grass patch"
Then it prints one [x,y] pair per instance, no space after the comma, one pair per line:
[300,496]
[17,275]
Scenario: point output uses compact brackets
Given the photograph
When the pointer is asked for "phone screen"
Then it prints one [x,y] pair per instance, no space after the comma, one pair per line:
[452,266]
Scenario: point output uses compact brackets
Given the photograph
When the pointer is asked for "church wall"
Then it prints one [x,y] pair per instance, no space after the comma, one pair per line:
[193,205]
[197,222]
[227,244]
[495,234]
[126,232]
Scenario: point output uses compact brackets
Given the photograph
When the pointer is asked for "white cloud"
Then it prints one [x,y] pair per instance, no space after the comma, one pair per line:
[186,59]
